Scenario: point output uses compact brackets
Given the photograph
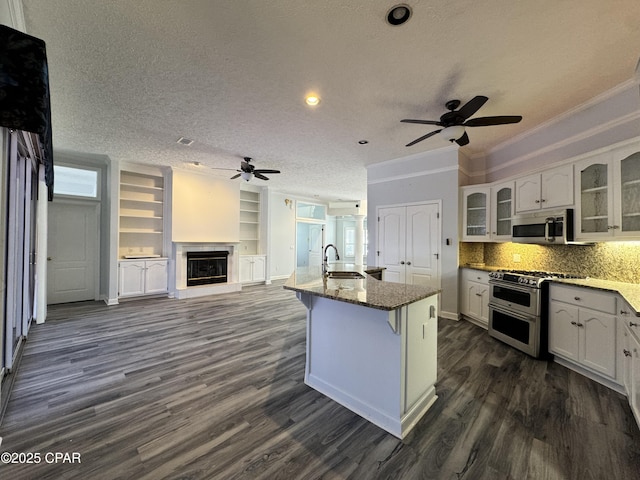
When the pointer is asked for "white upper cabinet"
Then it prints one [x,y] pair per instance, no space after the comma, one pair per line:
[549,189]
[608,195]
[476,209]
[502,210]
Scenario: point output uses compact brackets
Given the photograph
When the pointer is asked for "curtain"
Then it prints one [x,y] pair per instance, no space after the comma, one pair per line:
[25,103]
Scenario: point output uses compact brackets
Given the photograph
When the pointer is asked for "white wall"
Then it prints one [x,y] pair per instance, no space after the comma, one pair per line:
[204,208]
[419,178]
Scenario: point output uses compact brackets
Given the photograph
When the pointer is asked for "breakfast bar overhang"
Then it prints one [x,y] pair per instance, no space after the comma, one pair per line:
[371,345]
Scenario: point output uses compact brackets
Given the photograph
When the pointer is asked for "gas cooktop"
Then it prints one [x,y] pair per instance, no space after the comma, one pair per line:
[528,277]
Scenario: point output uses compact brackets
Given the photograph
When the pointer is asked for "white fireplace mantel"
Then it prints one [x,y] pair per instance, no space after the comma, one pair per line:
[180,250]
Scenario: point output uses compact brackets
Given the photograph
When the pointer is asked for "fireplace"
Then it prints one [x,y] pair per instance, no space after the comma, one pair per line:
[206,268]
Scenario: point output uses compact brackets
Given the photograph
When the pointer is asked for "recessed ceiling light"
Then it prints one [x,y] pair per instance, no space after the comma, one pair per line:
[312,100]
[399,14]
[363,142]
[185,141]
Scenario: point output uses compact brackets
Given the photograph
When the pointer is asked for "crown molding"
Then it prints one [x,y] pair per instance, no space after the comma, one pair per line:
[13,10]
[406,176]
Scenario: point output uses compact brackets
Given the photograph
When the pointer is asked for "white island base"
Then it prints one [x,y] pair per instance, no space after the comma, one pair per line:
[380,364]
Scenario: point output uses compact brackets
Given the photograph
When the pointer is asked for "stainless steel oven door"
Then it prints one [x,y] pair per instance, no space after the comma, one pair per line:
[519,331]
[525,300]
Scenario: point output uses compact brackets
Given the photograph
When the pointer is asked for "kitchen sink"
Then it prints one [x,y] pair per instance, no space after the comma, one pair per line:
[346,275]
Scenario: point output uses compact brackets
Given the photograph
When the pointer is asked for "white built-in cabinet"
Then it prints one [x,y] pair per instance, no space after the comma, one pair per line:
[487,212]
[142,277]
[608,195]
[253,268]
[552,188]
[142,264]
[253,264]
[582,328]
[474,295]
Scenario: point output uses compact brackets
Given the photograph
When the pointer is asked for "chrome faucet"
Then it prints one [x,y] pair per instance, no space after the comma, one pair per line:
[325,262]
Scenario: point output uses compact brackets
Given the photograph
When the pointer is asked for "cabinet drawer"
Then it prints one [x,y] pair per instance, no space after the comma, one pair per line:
[584,297]
[473,275]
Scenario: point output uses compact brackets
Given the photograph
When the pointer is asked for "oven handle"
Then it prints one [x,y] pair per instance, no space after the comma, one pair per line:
[514,286]
[519,316]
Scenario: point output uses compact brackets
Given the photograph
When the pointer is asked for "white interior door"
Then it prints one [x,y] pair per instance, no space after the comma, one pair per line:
[391,243]
[73,250]
[423,242]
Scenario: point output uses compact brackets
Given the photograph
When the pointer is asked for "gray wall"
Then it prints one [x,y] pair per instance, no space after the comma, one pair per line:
[430,176]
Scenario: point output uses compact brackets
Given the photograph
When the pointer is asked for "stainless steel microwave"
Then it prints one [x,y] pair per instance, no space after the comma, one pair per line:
[544,228]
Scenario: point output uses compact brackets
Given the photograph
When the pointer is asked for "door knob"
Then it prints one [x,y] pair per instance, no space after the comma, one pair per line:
[408,263]
[402,262]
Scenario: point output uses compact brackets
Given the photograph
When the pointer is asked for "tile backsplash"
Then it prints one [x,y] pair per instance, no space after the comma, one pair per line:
[616,261]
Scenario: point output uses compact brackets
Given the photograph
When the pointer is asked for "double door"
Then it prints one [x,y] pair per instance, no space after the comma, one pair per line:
[409,242]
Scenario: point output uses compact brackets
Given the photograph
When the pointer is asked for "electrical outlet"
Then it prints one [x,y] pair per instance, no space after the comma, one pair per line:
[516,257]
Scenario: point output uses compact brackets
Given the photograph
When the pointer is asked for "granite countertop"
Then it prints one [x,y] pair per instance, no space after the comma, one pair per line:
[367,291]
[629,291]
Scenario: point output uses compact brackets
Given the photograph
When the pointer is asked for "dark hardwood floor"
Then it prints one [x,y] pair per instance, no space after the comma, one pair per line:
[212,388]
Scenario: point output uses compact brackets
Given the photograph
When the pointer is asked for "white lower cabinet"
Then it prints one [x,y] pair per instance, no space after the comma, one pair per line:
[142,277]
[582,328]
[253,268]
[631,358]
[474,295]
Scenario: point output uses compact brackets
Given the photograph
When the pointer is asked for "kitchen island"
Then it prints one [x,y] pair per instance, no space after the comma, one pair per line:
[371,345]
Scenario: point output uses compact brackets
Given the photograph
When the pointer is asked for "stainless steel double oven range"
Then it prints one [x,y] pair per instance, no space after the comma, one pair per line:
[518,306]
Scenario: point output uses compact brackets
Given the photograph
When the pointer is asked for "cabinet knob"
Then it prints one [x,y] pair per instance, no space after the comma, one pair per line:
[543,200]
[633,324]
[537,201]
[574,323]
[626,352]
[624,312]
[408,263]
[402,262]
[478,294]
[576,298]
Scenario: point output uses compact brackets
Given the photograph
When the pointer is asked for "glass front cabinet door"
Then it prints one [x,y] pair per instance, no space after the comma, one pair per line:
[594,202]
[476,214]
[502,209]
[626,163]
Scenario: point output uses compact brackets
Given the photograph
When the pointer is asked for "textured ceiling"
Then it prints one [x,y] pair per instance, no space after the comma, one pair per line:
[128,78]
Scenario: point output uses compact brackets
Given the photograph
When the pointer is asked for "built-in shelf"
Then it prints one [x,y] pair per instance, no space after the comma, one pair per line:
[141,227]
[595,189]
[249,222]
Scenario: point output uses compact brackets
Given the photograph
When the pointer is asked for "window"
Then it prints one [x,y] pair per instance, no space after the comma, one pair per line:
[76,182]
[310,211]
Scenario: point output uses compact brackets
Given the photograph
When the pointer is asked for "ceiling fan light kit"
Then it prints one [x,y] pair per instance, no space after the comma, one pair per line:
[452,133]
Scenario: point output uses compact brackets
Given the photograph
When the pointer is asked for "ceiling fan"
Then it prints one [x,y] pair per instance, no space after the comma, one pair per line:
[247,170]
[454,121]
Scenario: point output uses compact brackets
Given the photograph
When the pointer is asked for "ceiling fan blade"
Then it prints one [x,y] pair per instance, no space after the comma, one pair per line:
[235,176]
[262,170]
[424,137]
[472,106]
[486,121]
[422,122]
[260,176]
[463,140]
